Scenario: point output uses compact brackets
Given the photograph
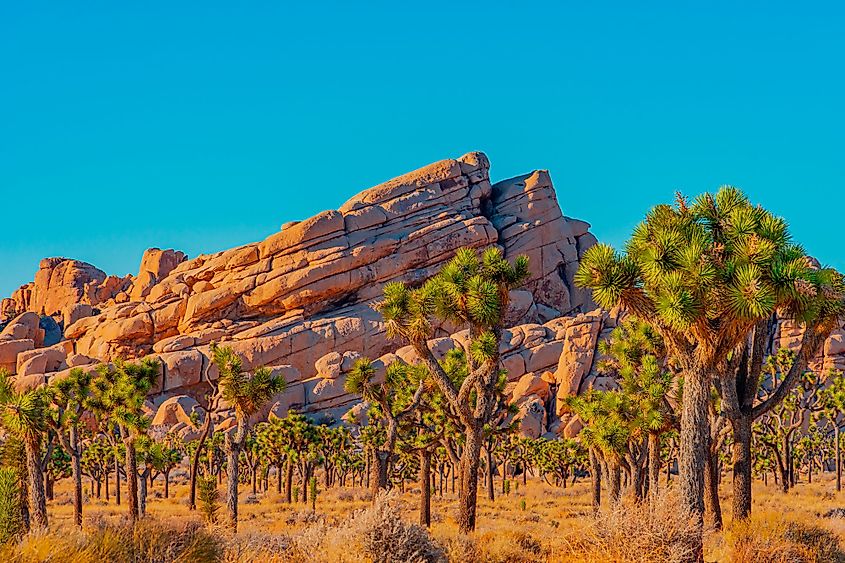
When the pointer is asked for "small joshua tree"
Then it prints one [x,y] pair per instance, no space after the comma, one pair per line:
[312,485]
[209,498]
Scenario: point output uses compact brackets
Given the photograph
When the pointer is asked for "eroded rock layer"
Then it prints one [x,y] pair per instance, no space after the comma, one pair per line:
[307,291]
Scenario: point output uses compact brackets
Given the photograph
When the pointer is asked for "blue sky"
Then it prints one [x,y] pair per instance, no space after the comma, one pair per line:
[205,125]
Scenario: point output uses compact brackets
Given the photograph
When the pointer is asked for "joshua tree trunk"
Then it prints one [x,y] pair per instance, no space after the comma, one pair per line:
[425,488]
[195,463]
[711,490]
[116,476]
[838,457]
[694,441]
[378,480]
[76,474]
[142,494]
[595,475]
[468,494]
[615,480]
[653,464]
[288,479]
[741,467]
[233,450]
[232,487]
[131,464]
[491,494]
[37,498]
[167,483]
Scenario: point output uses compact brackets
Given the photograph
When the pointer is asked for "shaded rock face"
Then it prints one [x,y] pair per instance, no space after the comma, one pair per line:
[309,289]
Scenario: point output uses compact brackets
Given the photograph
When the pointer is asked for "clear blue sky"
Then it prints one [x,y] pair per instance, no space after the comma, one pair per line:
[205,125]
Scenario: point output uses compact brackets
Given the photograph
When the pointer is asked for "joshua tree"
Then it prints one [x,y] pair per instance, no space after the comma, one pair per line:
[704,276]
[472,293]
[247,394]
[635,355]
[24,414]
[387,410]
[68,397]
[780,425]
[833,407]
[117,396]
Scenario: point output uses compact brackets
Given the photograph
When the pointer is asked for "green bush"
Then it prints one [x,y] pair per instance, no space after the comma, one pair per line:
[209,498]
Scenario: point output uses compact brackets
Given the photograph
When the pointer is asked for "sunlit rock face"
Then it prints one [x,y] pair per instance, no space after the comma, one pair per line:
[307,291]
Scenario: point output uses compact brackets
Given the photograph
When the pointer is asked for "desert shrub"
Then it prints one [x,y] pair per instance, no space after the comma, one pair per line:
[11,503]
[776,540]
[500,546]
[258,548]
[149,541]
[638,532]
[384,536]
[376,533]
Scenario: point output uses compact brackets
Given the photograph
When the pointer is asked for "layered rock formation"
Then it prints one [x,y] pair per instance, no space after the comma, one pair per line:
[308,290]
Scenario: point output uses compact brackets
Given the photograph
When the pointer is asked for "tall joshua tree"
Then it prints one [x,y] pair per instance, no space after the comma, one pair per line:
[389,409]
[68,397]
[117,396]
[704,275]
[24,414]
[470,292]
[247,394]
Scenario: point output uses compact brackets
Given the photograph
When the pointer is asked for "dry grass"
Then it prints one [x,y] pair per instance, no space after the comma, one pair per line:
[649,533]
[555,525]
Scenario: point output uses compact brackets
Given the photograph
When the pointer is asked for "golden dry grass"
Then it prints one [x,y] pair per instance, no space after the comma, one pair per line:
[554,525]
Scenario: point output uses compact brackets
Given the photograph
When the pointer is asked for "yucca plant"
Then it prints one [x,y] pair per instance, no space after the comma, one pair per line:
[118,391]
[389,408]
[635,355]
[68,397]
[833,406]
[705,276]
[209,498]
[472,292]
[24,414]
[247,393]
[11,504]
[312,486]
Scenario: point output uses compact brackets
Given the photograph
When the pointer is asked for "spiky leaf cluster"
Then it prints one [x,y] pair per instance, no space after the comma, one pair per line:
[468,290]
[704,272]
[246,392]
[118,391]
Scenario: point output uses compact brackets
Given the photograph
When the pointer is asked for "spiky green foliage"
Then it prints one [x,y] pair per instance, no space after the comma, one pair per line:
[833,396]
[11,504]
[468,290]
[23,412]
[559,459]
[705,272]
[246,393]
[118,391]
[209,498]
[312,492]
